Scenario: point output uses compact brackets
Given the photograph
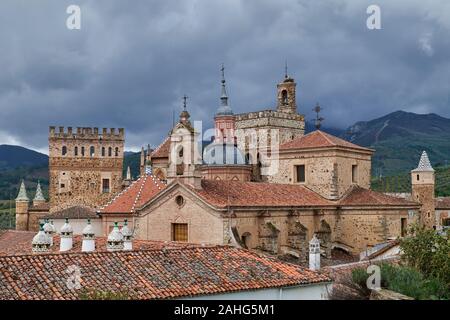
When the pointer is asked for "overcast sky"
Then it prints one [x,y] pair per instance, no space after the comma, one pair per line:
[132,61]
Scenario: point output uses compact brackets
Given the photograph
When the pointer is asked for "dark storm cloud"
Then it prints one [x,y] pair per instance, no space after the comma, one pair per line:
[132,61]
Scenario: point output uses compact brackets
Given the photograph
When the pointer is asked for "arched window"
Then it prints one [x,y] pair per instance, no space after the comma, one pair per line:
[64,150]
[82,151]
[92,151]
[180,153]
[75,151]
[116,153]
[103,151]
[109,152]
[284,97]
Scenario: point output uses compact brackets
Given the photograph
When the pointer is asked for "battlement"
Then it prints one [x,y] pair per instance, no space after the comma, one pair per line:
[87,133]
[267,114]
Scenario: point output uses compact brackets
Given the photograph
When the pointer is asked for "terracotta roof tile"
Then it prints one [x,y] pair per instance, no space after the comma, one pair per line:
[162,151]
[137,194]
[320,139]
[149,274]
[253,194]
[358,196]
[75,212]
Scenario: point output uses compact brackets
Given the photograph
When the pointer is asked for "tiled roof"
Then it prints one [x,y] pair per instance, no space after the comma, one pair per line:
[424,163]
[75,212]
[13,242]
[442,203]
[319,139]
[40,207]
[137,194]
[149,274]
[358,196]
[222,193]
[162,151]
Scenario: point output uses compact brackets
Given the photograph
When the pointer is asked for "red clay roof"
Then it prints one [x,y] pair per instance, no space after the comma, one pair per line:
[137,194]
[148,274]
[358,196]
[75,212]
[222,193]
[319,139]
[13,242]
[162,151]
[442,203]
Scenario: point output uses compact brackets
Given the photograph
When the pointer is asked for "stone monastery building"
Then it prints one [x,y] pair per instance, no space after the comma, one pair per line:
[260,184]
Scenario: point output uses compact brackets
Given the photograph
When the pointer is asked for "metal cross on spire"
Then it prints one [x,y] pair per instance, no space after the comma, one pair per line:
[319,119]
[285,69]
[185,97]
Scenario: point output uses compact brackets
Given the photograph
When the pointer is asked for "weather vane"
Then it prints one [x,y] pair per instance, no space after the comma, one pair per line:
[319,119]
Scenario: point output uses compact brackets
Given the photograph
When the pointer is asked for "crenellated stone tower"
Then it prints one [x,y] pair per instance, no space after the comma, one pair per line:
[85,166]
[422,183]
[260,133]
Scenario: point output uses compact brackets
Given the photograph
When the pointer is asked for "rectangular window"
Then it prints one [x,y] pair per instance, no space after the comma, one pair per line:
[180,232]
[105,185]
[354,173]
[300,173]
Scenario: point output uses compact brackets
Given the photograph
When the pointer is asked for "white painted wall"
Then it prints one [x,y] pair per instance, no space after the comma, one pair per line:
[79,224]
[307,292]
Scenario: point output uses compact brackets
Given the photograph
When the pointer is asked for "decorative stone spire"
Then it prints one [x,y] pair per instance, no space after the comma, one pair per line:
[48,229]
[314,253]
[424,163]
[41,242]
[22,196]
[39,195]
[142,165]
[127,235]
[88,243]
[66,237]
[115,239]
[224,108]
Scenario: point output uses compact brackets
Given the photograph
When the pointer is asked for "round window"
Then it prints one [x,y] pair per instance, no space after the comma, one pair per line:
[179,200]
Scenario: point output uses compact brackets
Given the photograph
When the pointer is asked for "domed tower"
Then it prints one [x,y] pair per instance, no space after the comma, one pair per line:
[422,185]
[224,121]
[286,94]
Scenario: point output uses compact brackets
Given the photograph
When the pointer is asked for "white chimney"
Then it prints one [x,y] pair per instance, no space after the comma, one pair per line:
[314,253]
[115,239]
[48,229]
[41,242]
[66,237]
[127,235]
[88,244]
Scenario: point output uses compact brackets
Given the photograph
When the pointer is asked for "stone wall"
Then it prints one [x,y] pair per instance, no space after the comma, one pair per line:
[204,224]
[78,162]
[328,172]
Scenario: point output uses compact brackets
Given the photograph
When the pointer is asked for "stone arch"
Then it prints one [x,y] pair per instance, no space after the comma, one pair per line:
[324,235]
[269,237]
[235,178]
[298,239]
[284,96]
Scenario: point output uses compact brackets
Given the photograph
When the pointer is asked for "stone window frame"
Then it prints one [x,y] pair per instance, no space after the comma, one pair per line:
[294,172]
[180,201]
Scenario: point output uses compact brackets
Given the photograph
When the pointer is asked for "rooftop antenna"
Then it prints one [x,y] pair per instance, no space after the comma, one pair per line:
[319,119]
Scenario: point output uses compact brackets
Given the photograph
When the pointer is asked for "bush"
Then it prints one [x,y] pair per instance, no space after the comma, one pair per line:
[428,252]
[402,279]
